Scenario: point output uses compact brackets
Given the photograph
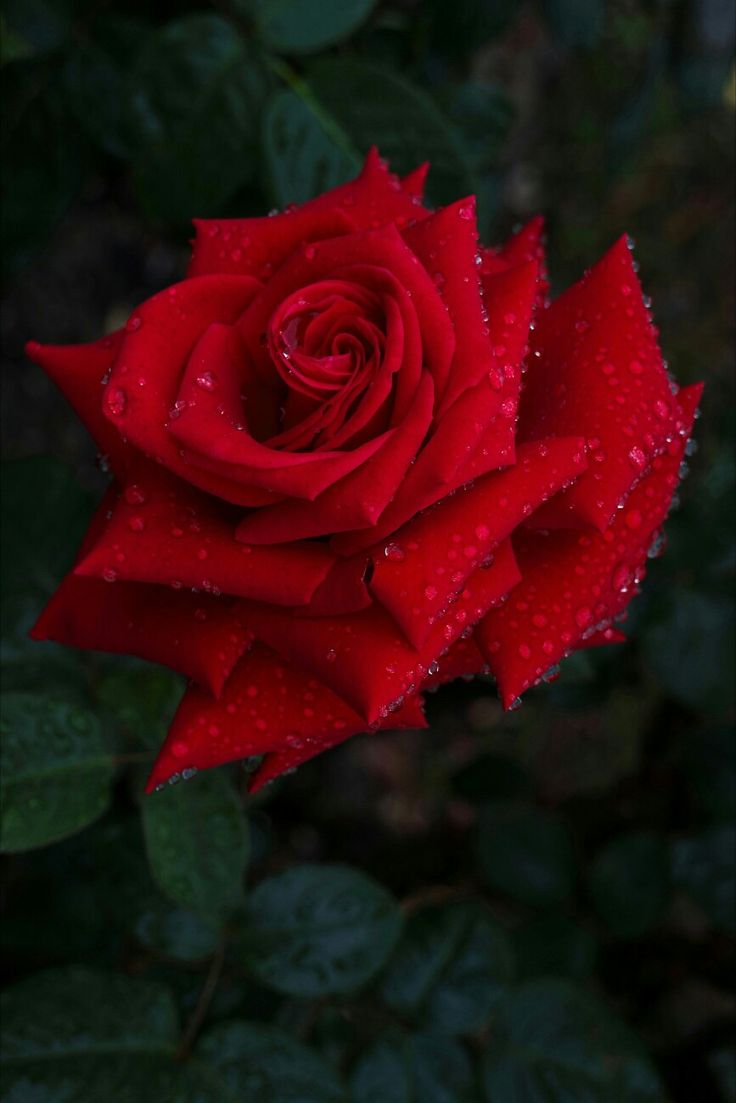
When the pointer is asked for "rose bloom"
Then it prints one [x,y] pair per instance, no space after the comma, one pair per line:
[357,455]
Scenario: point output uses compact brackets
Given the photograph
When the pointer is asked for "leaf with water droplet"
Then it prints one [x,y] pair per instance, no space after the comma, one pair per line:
[197,843]
[319,929]
[57,770]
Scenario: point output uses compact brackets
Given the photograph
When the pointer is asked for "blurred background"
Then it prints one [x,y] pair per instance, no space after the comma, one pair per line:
[596,824]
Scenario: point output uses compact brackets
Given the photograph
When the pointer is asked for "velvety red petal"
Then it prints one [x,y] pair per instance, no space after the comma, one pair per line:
[410,715]
[526,245]
[144,380]
[258,246]
[574,582]
[369,257]
[435,473]
[343,591]
[601,638]
[463,660]
[510,297]
[359,499]
[78,371]
[429,559]
[164,531]
[364,657]
[267,705]
[414,181]
[596,370]
[194,634]
[447,245]
[375,198]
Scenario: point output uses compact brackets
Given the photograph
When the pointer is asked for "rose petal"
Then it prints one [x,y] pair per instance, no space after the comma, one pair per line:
[526,245]
[363,657]
[162,530]
[447,245]
[258,246]
[78,371]
[463,660]
[596,370]
[435,473]
[573,582]
[144,380]
[356,501]
[429,559]
[410,715]
[377,260]
[266,705]
[510,297]
[414,181]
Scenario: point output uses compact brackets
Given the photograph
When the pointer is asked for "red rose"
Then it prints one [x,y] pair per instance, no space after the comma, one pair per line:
[332,490]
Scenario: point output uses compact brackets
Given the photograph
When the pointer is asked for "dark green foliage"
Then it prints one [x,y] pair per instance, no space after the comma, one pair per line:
[319,930]
[505,907]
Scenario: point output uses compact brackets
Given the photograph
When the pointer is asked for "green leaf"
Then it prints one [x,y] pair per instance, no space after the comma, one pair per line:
[423,1067]
[57,770]
[552,945]
[576,22]
[174,932]
[451,967]
[141,701]
[72,1034]
[629,883]
[262,1063]
[704,865]
[525,854]
[691,652]
[376,106]
[303,26]
[197,843]
[95,79]
[316,930]
[553,1042]
[197,98]
[41,25]
[306,151]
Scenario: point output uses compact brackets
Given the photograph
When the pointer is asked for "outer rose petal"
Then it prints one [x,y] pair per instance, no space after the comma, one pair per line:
[194,634]
[363,657]
[410,715]
[573,581]
[430,559]
[414,181]
[78,371]
[164,531]
[257,246]
[463,660]
[527,244]
[601,638]
[596,369]
[476,435]
[267,705]
[447,244]
[145,377]
[510,297]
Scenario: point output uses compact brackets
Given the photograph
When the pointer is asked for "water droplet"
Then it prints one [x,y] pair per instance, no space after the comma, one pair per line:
[394,553]
[133,323]
[207,381]
[637,458]
[116,401]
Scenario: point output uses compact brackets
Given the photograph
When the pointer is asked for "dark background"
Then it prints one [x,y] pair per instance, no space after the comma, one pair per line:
[604,117]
